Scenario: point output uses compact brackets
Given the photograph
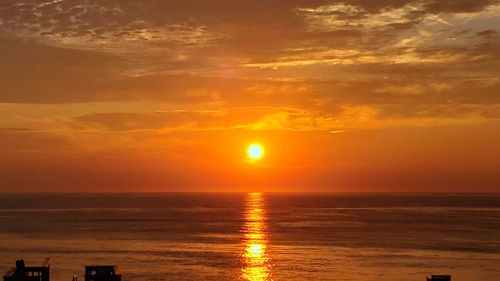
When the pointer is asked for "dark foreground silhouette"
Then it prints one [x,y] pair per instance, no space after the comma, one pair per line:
[42,273]
[95,273]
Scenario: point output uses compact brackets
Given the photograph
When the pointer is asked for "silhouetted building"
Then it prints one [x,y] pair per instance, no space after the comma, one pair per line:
[33,273]
[439,278]
[103,273]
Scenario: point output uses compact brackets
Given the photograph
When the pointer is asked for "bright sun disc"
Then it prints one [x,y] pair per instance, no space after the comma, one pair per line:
[255,151]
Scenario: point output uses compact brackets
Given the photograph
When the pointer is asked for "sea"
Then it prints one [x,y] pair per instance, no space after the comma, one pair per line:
[256,236]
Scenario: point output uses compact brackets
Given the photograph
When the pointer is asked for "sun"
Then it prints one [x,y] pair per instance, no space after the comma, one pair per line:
[255,151]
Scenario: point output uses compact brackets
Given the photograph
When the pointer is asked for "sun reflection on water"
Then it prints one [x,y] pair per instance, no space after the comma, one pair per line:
[256,262]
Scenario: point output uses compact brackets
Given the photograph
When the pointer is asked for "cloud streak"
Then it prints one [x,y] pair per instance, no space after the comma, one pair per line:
[110,80]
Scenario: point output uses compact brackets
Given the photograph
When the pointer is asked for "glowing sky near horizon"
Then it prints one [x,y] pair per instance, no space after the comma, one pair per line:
[354,95]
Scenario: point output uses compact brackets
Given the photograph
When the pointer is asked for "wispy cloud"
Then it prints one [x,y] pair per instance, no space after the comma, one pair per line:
[102,78]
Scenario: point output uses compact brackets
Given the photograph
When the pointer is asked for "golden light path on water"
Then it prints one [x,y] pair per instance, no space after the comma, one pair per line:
[256,262]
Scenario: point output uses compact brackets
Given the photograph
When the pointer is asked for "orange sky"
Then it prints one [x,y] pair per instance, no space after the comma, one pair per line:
[354,95]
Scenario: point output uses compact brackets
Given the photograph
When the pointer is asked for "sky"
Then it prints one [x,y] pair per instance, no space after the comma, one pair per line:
[160,95]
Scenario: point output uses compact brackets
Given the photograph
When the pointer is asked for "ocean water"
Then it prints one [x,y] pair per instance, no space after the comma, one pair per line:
[257,237]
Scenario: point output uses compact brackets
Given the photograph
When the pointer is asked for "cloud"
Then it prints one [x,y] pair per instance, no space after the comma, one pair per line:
[107,26]
[128,93]
[15,141]
[178,119]
[399,59]
[457,6]
[266,119]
